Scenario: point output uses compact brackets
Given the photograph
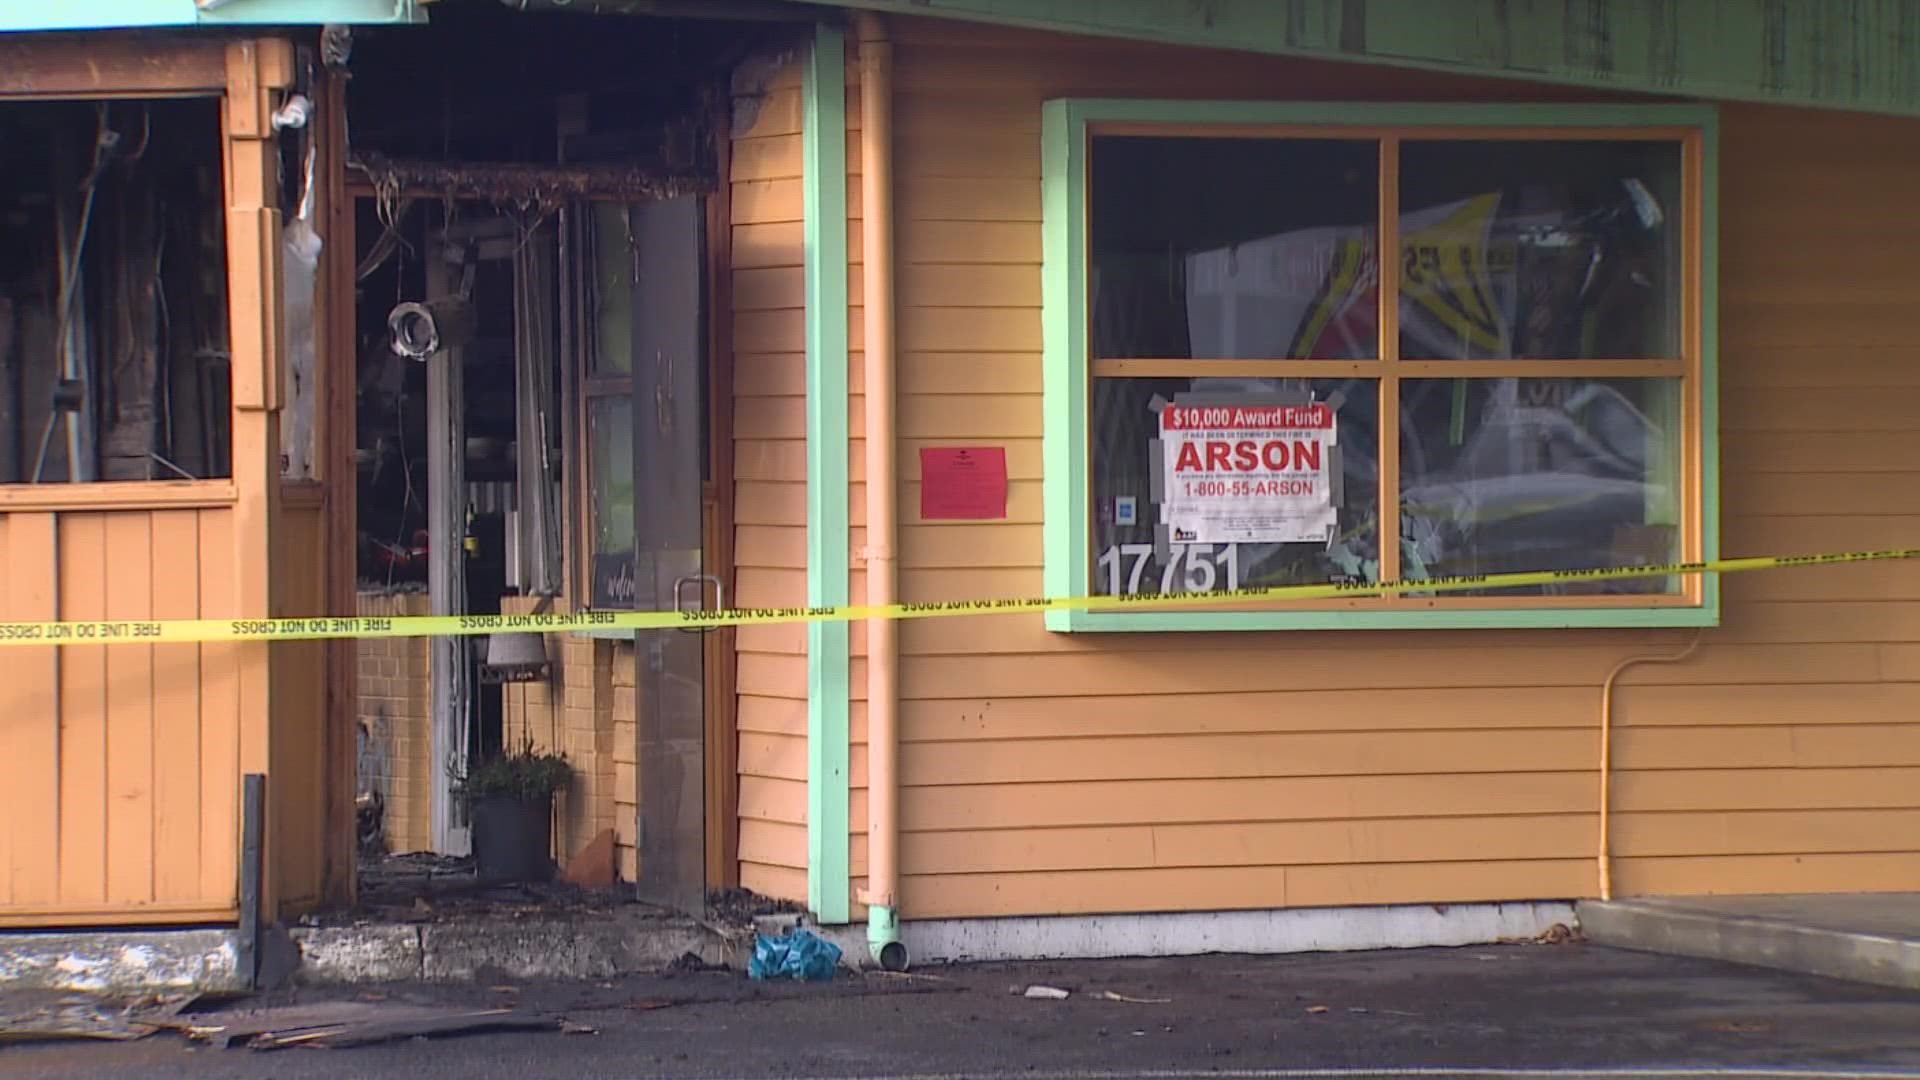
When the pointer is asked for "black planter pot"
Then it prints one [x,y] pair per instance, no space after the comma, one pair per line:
[513,838]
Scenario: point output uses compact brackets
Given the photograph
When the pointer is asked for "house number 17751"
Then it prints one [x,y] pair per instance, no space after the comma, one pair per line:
[1194,568]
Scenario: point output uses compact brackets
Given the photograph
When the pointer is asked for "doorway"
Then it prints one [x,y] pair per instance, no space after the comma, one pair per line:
[602,139]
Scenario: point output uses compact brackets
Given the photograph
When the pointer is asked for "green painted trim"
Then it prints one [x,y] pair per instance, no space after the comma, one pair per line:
[1063,299]
[1710,358]
[1383,114]
[829,528]
[883,929]
[130,14]
[1064,125]
[1462,619]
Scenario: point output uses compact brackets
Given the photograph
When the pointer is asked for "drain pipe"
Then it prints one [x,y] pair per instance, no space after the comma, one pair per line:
[1606,751]
[883,643]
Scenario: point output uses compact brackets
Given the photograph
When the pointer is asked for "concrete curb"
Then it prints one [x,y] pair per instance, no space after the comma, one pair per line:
[1758,941]
[516,949]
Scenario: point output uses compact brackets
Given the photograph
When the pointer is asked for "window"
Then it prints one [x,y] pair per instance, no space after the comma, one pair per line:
[115,350]
[607,394]
[1241,392]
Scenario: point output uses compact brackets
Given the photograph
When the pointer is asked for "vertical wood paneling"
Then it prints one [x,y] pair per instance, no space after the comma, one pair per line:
[30,716]
[123,760]
[177,776]
[83,714]
[219,716]
[130,709]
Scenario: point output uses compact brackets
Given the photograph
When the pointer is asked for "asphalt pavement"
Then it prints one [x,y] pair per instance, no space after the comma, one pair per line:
[1538,1012]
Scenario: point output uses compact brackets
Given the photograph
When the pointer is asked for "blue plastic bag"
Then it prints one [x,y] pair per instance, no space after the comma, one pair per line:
[802,954]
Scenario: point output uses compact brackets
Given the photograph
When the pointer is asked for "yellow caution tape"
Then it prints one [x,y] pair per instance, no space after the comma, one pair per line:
[172,631]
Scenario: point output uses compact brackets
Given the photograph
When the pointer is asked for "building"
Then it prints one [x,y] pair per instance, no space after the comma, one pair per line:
[1650,292]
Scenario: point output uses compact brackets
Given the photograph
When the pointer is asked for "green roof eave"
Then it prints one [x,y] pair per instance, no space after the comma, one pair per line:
[1856,56]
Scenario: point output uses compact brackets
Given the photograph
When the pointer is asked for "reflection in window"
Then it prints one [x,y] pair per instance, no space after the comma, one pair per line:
[1230,248]
[1135,553]
[613,268]
[1511,475]
[1539,250]
[610,432]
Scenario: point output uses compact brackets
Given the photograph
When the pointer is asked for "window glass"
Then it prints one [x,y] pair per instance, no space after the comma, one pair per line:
[1540,250]
[613,260]
[1510,475]
[1272,482]
[1227,248]
[610,430]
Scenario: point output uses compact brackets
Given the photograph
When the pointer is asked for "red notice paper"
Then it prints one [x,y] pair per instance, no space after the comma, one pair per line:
[963,483]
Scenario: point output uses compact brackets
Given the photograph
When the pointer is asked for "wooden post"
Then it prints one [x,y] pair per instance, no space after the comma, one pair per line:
[334,319]
[447,568]
[253,290]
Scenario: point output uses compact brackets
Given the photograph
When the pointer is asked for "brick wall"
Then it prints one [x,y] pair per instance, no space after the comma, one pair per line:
[574,712]
[396,748]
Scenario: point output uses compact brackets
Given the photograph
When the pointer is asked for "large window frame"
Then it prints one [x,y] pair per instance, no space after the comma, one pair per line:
[1068,127]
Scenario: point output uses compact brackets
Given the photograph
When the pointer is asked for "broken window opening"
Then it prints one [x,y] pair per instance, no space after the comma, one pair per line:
[115,354]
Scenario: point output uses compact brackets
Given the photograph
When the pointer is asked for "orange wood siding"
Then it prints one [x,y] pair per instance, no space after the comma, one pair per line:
[1048,773]
[123,763]
[770,487]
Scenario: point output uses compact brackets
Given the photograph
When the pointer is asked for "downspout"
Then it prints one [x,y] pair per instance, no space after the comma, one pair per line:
[1606,752]
[883,643]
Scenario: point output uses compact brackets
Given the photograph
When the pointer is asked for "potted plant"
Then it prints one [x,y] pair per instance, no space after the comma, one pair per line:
[510,805]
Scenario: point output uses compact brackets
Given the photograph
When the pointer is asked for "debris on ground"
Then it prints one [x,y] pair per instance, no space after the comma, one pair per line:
[1047,993]
[1738,1027]
[905,976]
[802,955]
[1110,995]
[31,1016]
[739,907]
[594,866]
[1317,1010]
[1557,934]
[338,1024]
[568,1027]
[692,963]
[422,887]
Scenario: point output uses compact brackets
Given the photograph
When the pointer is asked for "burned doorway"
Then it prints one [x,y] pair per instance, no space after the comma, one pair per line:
[596,139]
[459,462]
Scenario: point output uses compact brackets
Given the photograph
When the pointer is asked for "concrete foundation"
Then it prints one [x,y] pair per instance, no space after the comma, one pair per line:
[1283,930]
[123,961]
[1864,937]
[207,960]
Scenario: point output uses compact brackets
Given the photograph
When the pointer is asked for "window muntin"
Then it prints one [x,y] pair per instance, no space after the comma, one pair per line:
[1601,369]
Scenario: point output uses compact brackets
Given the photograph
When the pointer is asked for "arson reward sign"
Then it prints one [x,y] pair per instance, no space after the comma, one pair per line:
[1247,473]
